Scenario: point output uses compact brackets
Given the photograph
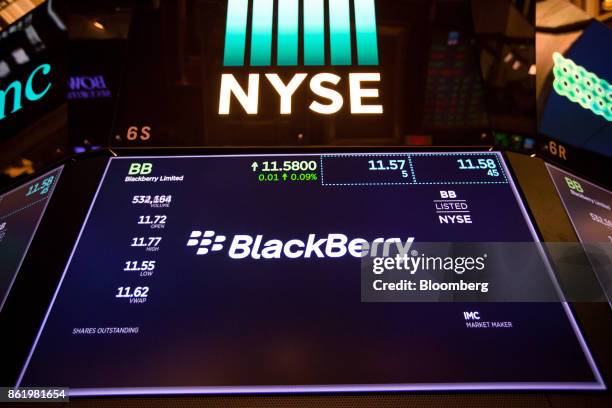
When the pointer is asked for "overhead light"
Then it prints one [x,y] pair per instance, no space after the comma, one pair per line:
[20,56]
[516,65]
[508,57]
[532,69]
[26,167]
[98,25]
[4,69]
[32,35]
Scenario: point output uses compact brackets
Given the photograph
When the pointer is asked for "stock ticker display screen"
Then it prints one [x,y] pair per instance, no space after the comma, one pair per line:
[20,212]
[241,273]
[589,208]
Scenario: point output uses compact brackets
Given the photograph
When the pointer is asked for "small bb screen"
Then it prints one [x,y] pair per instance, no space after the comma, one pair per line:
[21,210]
[589,208]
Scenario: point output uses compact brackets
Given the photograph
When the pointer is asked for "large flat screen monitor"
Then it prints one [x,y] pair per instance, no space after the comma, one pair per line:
[241,274]
[589,207]
[21,210]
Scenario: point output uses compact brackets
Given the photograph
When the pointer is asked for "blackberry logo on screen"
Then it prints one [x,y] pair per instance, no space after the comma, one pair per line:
[204,240]
[311,246]
[329,30]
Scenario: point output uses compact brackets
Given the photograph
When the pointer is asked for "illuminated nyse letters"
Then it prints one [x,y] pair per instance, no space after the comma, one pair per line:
[358,93]
[286,91]
[15,90]
[316,85]
[323,85]
[249,99]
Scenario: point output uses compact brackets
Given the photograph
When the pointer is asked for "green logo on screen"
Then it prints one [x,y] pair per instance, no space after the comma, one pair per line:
[306,17]
[582,87]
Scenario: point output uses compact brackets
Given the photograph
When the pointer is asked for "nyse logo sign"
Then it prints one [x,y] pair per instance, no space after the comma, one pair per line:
[327,100]
[16,90]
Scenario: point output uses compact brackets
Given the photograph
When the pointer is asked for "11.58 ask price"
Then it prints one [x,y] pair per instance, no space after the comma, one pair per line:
[481,164]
